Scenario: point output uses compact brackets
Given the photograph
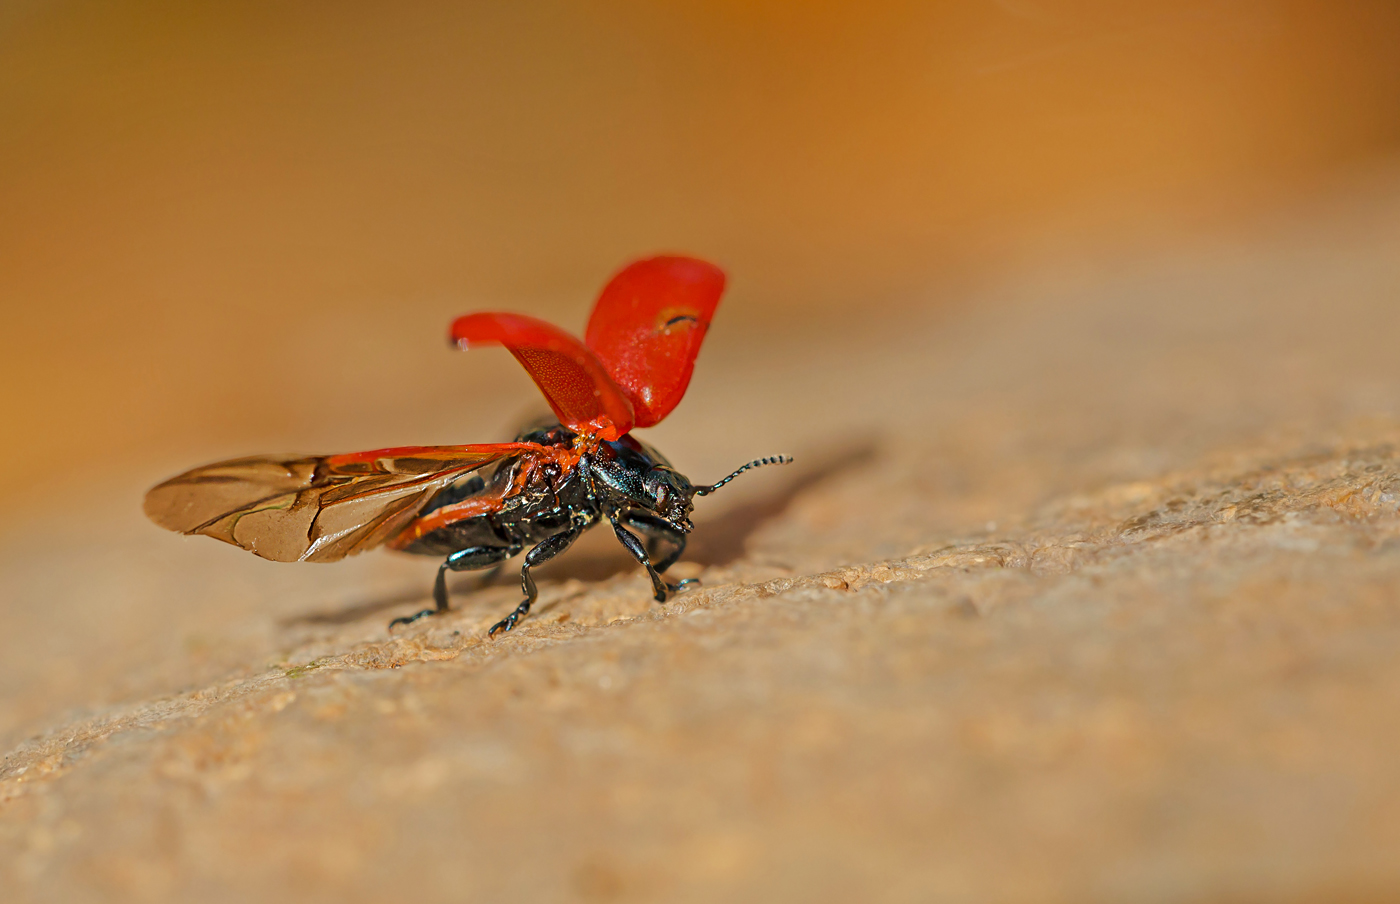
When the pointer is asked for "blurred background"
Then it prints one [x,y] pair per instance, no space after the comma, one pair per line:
[994,264]
[231,227]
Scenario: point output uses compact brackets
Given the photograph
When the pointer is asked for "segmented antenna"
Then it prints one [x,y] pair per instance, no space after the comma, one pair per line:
[756,463]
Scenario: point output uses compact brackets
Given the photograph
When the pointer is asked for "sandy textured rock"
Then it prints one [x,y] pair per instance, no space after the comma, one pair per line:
[1091,592]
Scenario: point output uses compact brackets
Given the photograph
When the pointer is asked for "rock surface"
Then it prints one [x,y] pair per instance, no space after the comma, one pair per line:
[1088,592]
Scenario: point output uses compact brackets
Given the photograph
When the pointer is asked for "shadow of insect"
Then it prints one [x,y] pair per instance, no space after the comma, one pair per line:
[356,611]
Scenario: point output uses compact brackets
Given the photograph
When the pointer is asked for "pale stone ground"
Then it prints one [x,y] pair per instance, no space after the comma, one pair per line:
[1090,592]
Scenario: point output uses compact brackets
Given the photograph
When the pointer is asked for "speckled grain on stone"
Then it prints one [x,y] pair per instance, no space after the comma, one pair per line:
[1105,609]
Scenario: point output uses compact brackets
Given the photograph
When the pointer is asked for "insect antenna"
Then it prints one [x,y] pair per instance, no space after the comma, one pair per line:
[756,463]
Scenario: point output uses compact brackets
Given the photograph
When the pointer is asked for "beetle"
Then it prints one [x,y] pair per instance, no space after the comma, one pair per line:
[476,506]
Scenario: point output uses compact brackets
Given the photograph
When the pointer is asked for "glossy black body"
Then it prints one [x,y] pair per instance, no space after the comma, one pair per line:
[626,483]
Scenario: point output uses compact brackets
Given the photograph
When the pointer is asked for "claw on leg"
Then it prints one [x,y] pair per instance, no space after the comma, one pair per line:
[410,619]
[509,621]
[671,589]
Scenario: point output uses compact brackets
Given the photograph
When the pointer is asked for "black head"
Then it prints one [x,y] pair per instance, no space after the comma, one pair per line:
[669,496]
[636,476]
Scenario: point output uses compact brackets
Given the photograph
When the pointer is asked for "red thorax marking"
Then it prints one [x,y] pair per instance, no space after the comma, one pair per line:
[566,458]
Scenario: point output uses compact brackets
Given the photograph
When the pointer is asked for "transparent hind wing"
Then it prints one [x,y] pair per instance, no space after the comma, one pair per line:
[291,508]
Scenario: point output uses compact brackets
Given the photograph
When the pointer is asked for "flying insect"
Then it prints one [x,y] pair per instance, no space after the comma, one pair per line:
[476,506]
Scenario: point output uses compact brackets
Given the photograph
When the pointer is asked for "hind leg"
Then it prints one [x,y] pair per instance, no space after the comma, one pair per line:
[471,559]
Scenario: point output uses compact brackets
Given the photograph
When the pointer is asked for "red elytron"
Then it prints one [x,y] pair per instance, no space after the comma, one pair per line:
[478,505]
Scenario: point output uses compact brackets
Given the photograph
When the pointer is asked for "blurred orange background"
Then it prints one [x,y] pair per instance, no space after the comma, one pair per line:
[233,227]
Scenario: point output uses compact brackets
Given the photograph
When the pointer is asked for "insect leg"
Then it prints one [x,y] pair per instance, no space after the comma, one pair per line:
[469,559]
[542,553]
[660,589]
[657,531]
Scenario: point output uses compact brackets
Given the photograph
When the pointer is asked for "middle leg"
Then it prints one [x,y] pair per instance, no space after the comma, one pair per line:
[542,553]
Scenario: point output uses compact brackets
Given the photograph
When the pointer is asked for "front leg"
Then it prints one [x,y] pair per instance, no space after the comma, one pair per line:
[657,531]
[660,589]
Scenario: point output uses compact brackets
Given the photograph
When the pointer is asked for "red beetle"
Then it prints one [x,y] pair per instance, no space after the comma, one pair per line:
[477,506]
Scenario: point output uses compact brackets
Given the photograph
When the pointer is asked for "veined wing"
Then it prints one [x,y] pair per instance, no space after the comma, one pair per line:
[291,508]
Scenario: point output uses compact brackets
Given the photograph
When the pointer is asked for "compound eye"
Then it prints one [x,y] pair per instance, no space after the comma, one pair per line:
[663,493]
